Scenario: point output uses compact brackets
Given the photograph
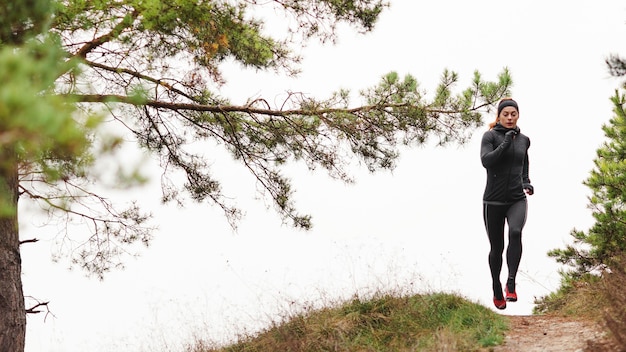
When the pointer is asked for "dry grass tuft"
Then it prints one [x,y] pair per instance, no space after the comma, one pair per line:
[582,298]
[614,284]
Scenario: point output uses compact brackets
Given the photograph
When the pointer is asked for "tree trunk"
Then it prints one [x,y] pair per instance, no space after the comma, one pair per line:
[12,310]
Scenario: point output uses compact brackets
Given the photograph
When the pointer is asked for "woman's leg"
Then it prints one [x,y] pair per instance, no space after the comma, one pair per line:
[516,218]
[494,217]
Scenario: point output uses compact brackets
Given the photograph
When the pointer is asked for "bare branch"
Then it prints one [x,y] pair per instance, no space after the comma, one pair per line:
[31,240]
[89,46]
[37,308]
[34,310]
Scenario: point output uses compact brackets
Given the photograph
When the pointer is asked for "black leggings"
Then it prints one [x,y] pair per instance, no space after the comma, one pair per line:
[495,216]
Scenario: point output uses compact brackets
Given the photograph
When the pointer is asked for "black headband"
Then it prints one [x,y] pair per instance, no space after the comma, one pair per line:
[505,103]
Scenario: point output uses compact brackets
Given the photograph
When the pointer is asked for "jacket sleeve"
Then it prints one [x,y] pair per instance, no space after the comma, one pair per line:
[525,177]
[488,155]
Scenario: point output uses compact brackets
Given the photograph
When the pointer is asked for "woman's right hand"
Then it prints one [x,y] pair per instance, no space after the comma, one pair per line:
[508,138]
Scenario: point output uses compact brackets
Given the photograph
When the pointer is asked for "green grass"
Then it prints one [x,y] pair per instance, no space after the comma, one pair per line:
[433,322]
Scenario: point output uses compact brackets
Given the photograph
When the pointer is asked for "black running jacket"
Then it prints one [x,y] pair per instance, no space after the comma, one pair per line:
[506,164]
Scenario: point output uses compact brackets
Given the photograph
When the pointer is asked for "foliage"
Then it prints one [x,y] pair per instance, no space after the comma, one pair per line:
[22,20]
[39,130]
[592,286]
[155,67]
[594,250]
[53,144]
[433,322]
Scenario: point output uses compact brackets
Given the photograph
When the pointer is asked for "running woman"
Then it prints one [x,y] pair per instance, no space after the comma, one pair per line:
[504,153]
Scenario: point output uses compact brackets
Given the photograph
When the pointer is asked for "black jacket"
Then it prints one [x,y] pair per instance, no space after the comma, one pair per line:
[506,164]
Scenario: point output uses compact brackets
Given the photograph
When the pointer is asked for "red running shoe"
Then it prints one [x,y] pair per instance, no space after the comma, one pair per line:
[510,296]
[499,303]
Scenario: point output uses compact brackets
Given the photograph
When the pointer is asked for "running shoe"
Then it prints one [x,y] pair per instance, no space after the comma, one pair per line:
[499,303]
[510,296]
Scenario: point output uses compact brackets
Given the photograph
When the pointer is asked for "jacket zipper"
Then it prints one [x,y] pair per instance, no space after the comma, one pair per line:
[508,176]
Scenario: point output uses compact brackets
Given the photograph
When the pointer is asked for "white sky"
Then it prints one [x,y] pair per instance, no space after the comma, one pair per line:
[417,229]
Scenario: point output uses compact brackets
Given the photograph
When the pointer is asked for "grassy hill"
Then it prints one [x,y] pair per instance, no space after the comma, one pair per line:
[432,322]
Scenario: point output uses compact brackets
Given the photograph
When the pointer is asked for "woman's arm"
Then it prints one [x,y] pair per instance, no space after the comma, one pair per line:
[490,156]
[525,178]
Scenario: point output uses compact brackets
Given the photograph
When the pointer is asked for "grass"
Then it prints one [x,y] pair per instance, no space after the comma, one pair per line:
[615,294]
[433,322]
[430,322]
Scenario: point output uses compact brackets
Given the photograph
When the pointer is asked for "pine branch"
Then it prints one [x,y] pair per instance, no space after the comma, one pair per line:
[116,98]
[90,46]
[159,82]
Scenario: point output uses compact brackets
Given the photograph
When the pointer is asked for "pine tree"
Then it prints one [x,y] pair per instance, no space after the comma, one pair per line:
[593,251]
[40,142]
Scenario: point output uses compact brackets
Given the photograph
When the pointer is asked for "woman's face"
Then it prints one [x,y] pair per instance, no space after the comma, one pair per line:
[508,117]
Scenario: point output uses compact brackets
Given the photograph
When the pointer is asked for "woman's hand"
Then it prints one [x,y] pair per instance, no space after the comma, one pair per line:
[528,188]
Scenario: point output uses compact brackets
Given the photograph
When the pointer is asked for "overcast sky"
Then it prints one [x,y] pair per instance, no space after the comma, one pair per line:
[416,229]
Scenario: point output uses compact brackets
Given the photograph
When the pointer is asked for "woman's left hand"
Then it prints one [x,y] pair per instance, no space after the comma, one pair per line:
[529,189]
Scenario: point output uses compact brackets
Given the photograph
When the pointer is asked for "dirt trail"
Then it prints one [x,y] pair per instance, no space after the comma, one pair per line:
[541,333]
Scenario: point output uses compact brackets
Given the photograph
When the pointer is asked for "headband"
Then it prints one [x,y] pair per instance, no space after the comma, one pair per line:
[505,103]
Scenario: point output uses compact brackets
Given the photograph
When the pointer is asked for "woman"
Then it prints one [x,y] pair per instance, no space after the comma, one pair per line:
[504,153]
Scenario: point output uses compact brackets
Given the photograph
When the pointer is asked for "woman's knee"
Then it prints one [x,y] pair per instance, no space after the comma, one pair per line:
[515,234]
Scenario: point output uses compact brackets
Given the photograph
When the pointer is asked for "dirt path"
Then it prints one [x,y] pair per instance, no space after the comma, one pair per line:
[540,333]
